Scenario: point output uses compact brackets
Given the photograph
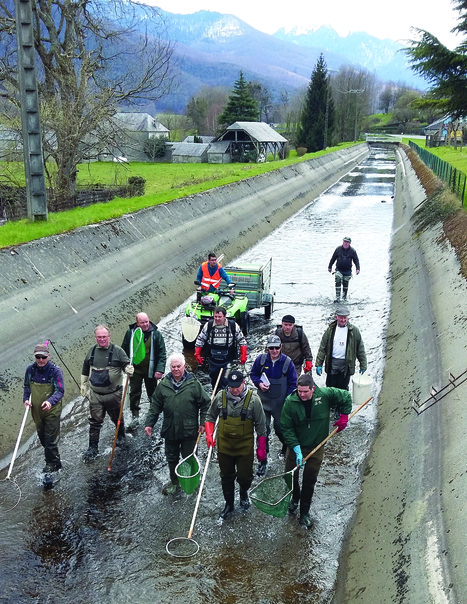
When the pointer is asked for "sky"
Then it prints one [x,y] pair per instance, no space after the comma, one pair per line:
[391,20]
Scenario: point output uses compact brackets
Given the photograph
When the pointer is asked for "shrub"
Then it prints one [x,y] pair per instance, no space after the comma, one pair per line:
[136,186]
[301,151]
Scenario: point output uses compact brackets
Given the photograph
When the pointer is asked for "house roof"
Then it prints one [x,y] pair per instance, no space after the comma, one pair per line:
[219,147]
[204,139]
[142,122]
[260,131]
[189,149]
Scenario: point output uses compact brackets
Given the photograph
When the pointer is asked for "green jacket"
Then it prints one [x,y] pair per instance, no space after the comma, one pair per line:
[298,430]
[354,350]
[184,408]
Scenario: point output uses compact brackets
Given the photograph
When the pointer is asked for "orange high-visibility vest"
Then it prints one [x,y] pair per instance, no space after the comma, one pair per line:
[207,280]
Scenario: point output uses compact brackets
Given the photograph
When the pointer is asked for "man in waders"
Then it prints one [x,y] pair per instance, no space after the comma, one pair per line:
[210,275]
[43,393]
[184,403]
[222,337]
[305,423]
[103,371]
[274,376]
[152,366]
[341,346]
[295,344]
[240,414]
[343,256]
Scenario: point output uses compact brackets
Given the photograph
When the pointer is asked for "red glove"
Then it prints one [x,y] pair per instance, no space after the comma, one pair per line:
[209,427]
[242,355]
[261,450]
[198,357]
[308,366]
[341,422]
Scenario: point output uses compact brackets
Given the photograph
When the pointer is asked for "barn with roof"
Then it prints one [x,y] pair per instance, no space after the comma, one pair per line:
[250,141]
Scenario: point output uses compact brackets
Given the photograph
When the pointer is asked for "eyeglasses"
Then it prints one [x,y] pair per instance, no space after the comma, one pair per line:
[274,347]
[39,356]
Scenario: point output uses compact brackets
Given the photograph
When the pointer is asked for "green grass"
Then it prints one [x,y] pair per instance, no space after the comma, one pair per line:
[164,182]
[455,157]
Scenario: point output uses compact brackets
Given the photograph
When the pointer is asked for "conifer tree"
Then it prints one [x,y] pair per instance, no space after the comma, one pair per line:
[241,106]
[313,128]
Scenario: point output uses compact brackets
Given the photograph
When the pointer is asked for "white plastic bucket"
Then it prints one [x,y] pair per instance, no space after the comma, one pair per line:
[361,388]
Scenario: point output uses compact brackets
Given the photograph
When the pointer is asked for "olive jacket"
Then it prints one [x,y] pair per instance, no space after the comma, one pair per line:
[355,349]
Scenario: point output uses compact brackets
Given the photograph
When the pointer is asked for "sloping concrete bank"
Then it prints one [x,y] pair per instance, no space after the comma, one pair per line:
[407,543]
[61,287]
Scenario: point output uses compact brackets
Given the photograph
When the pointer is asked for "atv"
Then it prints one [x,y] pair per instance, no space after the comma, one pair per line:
[201,309]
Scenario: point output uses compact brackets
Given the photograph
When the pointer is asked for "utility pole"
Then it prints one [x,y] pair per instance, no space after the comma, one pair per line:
[30,121]
[356,107]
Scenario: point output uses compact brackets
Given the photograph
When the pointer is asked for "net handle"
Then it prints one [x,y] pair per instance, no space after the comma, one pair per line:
[332,434]
[192,526]
[18,440]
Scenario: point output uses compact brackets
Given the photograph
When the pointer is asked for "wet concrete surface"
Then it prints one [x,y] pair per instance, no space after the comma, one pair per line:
[102,536]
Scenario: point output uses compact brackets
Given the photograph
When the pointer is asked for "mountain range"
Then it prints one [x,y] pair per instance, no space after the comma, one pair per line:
[212,48]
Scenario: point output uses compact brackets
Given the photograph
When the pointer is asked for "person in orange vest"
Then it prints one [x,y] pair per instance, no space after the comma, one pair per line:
[210,274]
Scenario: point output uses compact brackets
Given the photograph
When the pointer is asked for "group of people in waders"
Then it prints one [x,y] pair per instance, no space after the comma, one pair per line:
[283,392]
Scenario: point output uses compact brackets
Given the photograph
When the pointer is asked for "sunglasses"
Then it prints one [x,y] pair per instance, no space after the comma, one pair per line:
[40,356]
[274,347]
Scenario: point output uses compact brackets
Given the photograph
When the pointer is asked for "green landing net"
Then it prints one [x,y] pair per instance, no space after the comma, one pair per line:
[272,495]
[188,473]
[139,349]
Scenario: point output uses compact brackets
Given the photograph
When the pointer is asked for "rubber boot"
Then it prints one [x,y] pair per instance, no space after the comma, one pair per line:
[344,292]
[171,487]
[92,451]
[305,518]
[338,294]
[227,511]
[121,436]
[244,499]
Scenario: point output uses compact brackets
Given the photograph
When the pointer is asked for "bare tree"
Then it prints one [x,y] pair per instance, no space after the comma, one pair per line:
[93,57]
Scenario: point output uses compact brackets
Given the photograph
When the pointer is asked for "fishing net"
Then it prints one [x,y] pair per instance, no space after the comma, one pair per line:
[10,495]
[272,495]
[190,328]
[188,473]
[139,349]
[182,547]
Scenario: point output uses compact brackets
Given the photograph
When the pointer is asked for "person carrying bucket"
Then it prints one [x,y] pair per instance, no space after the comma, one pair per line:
[43,394]
[340,348]
[343,256]
[240,414]
[305,423]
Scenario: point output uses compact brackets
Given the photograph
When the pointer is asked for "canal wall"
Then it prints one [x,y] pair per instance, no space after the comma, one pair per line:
[59,288]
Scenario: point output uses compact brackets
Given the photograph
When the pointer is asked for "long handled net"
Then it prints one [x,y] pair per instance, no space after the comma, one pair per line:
[10,492]
[272,495]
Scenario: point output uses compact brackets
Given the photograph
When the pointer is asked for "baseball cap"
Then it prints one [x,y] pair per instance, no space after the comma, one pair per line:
[273,341]
[235,379]
[41,349]
[348,239]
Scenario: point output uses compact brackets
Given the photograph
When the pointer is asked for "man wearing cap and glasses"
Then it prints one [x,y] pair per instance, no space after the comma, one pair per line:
[274,376]
[341,346]
[295,344]
[43,393]
[240,414]
[343,256]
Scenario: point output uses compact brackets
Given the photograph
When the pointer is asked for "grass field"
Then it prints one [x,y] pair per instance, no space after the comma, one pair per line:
[164,182]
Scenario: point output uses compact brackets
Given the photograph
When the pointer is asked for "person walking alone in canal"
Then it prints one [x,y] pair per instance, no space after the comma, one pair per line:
[295,344]
[343,256]
[184,403]
[151,368]
[43,393]
[305,423]
[340,347]
[240,413]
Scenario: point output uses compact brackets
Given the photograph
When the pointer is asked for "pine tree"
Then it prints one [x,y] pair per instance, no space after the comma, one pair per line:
[318,106]
[241,106]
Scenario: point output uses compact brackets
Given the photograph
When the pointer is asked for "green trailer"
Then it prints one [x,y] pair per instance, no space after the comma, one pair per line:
[254,281]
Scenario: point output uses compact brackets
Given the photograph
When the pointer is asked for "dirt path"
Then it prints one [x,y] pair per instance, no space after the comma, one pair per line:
[407,542]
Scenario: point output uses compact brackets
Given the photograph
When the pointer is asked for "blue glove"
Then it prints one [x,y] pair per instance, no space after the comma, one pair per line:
[319,370]
[298,453]
[362,371]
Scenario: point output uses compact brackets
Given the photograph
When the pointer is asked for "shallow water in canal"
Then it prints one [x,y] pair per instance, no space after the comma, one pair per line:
[101,536]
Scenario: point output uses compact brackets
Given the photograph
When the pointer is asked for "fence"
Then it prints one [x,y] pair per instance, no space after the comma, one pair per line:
[455,179]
